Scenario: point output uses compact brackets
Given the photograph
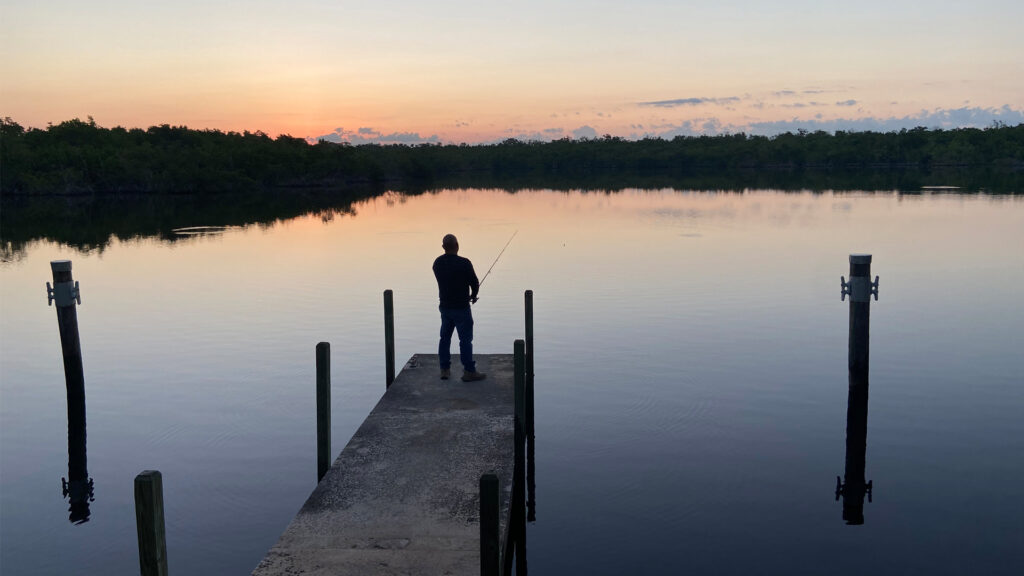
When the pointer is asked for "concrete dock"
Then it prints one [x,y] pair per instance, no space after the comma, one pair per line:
[403,496]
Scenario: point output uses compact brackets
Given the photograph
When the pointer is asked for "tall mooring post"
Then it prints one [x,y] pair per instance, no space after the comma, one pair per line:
[517,514]
[531,483]
[149,523]
[65,294]
[853,487]
[323,409]
[389,338]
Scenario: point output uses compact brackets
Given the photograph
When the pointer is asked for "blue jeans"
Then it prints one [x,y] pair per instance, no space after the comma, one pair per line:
[453,319]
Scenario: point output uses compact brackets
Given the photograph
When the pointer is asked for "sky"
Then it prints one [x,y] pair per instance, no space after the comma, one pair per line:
[474,71]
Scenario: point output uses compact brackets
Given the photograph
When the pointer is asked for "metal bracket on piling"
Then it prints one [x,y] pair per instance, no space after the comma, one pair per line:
[65,293]
[859,288]
[68,487]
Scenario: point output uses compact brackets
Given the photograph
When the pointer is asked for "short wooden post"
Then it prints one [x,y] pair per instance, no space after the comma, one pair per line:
[389,337]
[149,521]
[531,483]
[518,508]
[489,517]
[323,409]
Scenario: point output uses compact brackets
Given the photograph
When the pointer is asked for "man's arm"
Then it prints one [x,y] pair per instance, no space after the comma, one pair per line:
[474,284]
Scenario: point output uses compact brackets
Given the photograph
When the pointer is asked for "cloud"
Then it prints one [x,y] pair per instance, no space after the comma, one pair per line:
[690,102]
[847,103]
[939,118]
[584,132]
[553,131]
[784,93]
[803,105]
[367,135]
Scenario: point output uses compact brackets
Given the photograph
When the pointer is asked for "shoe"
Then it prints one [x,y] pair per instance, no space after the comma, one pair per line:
[473,376]
[445,373]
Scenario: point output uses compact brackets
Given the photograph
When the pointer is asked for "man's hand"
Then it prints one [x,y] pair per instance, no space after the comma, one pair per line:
[473,299]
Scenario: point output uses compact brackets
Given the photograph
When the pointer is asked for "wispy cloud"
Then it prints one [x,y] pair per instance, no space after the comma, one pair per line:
[365,135]
[803,105]
[939,118]
[690,102]
[846,103]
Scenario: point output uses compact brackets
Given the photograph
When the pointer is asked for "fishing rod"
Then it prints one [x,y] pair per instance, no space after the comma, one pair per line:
[499,257]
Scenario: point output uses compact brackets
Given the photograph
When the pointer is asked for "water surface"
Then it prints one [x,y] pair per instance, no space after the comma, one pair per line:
[691,376]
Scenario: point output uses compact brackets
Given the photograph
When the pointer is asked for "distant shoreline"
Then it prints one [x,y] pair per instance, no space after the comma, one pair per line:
[80,158]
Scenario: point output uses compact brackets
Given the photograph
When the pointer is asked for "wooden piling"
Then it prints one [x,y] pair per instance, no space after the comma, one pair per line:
[519,383]
[860,311]
[65,294]
[518,513]
[489,522]
[149,522]
[323,409]
[531,484]
[389,338]
[529,362]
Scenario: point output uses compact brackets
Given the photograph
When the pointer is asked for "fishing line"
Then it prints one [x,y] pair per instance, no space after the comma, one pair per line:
[499,257]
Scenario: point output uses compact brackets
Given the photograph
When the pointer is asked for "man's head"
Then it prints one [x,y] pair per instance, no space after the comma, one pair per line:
[450,244]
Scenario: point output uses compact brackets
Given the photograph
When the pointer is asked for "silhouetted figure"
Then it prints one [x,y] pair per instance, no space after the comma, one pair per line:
[457,287]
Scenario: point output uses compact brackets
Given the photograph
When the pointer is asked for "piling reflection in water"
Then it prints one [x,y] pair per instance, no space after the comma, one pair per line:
[78,487]
[853,487]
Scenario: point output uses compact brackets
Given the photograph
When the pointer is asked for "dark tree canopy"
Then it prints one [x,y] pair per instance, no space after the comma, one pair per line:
[76,157]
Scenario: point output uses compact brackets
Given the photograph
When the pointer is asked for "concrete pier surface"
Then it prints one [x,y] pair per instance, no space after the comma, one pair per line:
[403,496]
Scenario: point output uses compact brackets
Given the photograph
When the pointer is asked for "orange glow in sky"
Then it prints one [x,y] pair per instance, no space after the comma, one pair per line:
[461,71]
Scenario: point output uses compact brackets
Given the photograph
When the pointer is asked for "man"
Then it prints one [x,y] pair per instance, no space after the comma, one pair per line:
[457,286]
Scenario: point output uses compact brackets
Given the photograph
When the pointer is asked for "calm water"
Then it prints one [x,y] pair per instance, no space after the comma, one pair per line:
[691,377]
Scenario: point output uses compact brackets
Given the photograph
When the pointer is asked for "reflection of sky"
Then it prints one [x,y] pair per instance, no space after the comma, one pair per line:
[691,353]
[472,71]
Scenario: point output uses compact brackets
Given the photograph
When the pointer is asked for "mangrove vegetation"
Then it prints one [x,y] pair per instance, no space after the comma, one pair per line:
[79,157]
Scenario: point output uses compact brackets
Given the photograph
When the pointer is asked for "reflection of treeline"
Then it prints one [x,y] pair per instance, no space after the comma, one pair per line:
[80,157]
[91,222]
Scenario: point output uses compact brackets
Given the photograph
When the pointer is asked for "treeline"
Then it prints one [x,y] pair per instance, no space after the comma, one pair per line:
[79,157]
